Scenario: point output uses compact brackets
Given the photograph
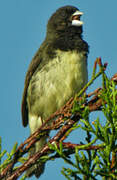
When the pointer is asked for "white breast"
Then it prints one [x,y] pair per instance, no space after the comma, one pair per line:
[58,81]
[73,68]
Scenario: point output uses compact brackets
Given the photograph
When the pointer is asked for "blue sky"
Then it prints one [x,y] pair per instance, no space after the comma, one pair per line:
[22,30]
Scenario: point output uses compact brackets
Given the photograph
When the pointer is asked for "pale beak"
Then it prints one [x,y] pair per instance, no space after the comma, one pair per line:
[76,19]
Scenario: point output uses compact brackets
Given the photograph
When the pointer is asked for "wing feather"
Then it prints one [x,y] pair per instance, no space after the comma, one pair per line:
[32,68]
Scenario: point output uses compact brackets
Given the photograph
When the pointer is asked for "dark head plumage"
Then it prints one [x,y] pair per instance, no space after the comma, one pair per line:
[61,22]
[63,32]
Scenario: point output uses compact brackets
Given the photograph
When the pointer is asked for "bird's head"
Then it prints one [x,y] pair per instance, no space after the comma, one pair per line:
[65,19]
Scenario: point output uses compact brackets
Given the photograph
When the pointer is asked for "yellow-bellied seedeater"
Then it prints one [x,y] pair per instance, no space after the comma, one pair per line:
[57,71]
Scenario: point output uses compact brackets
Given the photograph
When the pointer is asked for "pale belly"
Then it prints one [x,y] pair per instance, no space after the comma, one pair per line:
[55,84]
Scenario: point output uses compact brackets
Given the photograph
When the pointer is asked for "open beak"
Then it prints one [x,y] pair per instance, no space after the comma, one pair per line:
[76,19]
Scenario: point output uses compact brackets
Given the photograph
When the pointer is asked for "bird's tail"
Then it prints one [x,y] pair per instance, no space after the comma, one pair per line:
[38,168]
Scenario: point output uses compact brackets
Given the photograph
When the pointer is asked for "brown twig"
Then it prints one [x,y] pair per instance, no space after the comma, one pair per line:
[24,147]
[69,145]
[94,104]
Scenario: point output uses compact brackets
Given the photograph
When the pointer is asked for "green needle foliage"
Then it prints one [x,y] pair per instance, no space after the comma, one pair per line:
[92,164]
[96,156]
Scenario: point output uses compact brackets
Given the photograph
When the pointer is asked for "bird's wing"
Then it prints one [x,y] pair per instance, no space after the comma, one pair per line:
[32,68]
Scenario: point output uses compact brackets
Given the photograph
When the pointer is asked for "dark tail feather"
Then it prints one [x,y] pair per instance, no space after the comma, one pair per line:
[37,169]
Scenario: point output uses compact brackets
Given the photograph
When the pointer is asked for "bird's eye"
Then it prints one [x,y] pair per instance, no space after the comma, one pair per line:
[63,14]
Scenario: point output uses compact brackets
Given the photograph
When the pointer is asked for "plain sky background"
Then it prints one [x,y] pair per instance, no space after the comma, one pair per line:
[22,30]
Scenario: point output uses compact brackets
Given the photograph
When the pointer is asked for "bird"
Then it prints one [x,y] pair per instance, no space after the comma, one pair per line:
[56,73]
